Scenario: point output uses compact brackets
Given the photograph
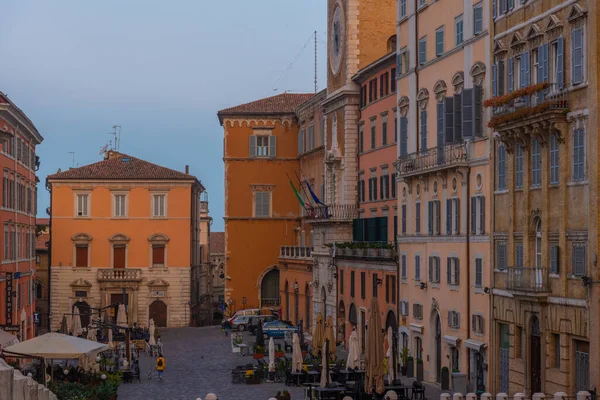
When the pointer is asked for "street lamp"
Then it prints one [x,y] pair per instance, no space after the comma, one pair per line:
[296,289]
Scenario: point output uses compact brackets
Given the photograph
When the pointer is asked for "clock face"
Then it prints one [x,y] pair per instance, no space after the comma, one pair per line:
[337,40]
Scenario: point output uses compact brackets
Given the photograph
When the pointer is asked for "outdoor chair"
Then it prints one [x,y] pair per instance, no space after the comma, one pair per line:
[238,374]
[135,372]
[418,391]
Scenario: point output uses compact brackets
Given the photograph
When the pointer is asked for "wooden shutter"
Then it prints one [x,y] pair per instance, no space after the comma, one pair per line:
[500,78]
[494,80]
[431,269]
[554,259]
[456,320]
[430,216]
[387,186]
[457,270]
[481,214]
[467,113]
[457,215]
[449,122]
[560,62]
[577,55]
[387,288]
[437,269]
[448,216]
[473,215]
[436,216]
[527,68]
[501,256]
[458,117]
[158,255]
[81,256]
[258,198]
[450,319]
[252,146]
[477,111]
[119,256]
[266,203]
[272,146]
[418,217]
[544,63]
[511,82]
[494,9]
[449,270]
[519,255]
[423,131]
[579,260]
[403,136]
[404,218]
[440,129]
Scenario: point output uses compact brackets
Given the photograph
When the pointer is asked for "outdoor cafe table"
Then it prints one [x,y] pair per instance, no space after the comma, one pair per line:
[297,374]
[314,375]
[399,388]
[325,390]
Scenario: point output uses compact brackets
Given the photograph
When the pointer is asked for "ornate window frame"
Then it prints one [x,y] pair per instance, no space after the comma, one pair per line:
[157,239]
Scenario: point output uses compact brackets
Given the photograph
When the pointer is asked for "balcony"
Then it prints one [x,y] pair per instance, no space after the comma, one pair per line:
[333,213]
[433,159]
[365,250]
[270,302]
[524,281]
[119,275]
[295,252]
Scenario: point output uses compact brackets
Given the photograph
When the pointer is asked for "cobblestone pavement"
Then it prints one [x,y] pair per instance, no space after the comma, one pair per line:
[199,361]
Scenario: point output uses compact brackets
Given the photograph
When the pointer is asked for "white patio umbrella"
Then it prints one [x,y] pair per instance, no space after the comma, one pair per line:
[296,354]
[91,334]
[122,316]
[111,345]
[6,339]
[76,329]
[353,351]
[151,341]
[57,345]
[271,355]
[390,356]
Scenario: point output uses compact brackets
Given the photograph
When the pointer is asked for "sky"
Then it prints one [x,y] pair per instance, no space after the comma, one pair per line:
[159,69]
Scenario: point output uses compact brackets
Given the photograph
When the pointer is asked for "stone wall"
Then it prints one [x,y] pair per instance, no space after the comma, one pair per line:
[15,386]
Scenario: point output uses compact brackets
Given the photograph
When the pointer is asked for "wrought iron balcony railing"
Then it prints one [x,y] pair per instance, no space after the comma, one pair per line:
[119,275]
[301,252]
[552,97]
[527,279]
[433,159]
[336,212]
[270,301]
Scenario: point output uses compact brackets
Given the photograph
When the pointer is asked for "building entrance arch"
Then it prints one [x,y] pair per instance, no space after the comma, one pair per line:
[158,312]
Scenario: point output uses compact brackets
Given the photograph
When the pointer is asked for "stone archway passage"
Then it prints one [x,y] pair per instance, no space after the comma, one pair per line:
[158,312]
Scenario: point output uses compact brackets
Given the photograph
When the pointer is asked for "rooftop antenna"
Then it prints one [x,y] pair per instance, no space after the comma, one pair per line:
[72,153]
[117,134]
[103,149]
[315,61]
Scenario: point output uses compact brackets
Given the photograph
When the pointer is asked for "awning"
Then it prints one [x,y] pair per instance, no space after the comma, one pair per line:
[451,340]
[475,345]
[416,328]
[56,345]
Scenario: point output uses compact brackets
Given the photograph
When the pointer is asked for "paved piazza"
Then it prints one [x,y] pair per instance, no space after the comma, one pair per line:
[199,361]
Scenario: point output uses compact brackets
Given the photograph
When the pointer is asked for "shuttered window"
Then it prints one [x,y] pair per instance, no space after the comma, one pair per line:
[363,285]
[81,255]
[560,62]
[423,51]
[449,121]
[478,19]
[403,266]
[467,113]
[511,79]
[361,134]
[158,255]
[119,256]
[554,260]
[384,131]
[423,131]
[458,117]
[481,213]
[578,155]
[403,136]
[577,56]
[519,255]
[262,204]
[418,217]
[448,216]
[404,219]
[439,41]
[452,271]
[501,256]
[501,167]
[500,78]
[417,268]
[536,163]
[478,272]
[494,80]
[543,65]
[518,166]
[301,142]
[554,159]
[375,292]
[578,259]
[352,283]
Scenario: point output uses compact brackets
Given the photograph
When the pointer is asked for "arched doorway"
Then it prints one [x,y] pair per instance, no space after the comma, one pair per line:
[341,336]
[158,312]
[390,322]
[324,302]
[84,312]
[535,348]
[436,339]
[308,305]
[269,289]
[286,289]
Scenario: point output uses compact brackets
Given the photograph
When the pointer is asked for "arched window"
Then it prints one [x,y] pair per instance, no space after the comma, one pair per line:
[38,290]
[391,44]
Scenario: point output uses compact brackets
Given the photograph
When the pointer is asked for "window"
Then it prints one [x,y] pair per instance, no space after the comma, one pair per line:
[363,96]
[422,3]
[393,81]
[577,56]
[423,131]
[373,188]
[361,139]
[578,155]
[453,271]
[478,272]
[454,319]
[536,163]
[262,204]
[159,205]
[578,259]
[519,255]
[120,209]
[263,146]
[558,62]
[373,134]
[404,216]
[518,166]
[459,27]
[402,8]
[352,283]
[403,136]
[393,184]
[422,50]
[300,141]
[554,158]
[82,205]
[417,268]
[158,255]
[434,269]
[341,281]
[393,279]
[387,288]
[384,131]
[81,255]
[375,284]
[477,323]
[418,217]
[554,260]
[361,190]
[363,284]
[478,18]
[501,168]
[439,41]
[556,348]
[418,313]
[501,256]
[403,267]
[434,217]
[119,256]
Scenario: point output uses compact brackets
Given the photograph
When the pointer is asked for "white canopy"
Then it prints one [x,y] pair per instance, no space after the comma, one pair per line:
[57,345]
[6,339]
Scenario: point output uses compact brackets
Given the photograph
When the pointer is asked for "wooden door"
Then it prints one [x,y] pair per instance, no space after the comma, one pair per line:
[119,257]
[536,356]
[158,312]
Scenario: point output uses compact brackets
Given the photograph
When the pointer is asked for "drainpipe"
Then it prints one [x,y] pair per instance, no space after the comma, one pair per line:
[468,240]
[417,67]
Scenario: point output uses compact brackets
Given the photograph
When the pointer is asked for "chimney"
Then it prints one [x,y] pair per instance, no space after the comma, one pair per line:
[187,169]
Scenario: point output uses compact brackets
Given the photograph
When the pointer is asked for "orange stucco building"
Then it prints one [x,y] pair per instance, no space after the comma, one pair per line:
[124,225]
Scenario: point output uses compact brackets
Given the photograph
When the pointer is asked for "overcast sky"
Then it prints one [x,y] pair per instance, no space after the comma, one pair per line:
[160,69]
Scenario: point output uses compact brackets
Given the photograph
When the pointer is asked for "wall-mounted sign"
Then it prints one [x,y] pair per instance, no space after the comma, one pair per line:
[9,298]
[158,293]
[10,328]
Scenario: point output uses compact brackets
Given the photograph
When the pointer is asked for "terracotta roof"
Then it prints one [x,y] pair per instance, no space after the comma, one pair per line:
[40,243]
[217,242]
[284,103]
[122,166]
[42,221]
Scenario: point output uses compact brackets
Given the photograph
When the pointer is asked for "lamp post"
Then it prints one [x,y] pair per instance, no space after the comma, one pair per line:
[243,303]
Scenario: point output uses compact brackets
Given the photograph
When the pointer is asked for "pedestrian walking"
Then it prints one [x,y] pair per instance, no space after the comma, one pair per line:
[160,365]
[226,326]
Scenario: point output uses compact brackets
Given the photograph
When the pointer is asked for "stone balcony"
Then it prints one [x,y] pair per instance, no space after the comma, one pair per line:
[295,252]
[331,213]
[530,282]
[119,275]
[365,250]
[433,160]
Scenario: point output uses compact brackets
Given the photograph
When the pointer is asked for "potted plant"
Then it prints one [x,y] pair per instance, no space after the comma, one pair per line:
[279,354]
[419,369]
[404,359]
[410,364]
[445,378]
[259,352]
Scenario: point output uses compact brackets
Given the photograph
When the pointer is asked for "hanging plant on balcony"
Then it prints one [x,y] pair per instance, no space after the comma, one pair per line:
[507,98]
[527,112]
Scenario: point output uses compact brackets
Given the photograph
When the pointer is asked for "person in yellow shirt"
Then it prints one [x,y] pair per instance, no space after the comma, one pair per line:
[160,365]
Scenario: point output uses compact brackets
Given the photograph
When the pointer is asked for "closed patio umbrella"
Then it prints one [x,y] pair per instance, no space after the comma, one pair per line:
[296,354]
[331,337]
[374,355]
[260,338]
[325,377]
[353,351]
[391,366]
[151,328]
[76,329]
[122,316]
[318,335]
[64,329]
[271,355]
[111,345]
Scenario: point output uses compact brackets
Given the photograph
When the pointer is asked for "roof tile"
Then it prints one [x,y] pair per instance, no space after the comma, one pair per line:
[281,104]
[217,242]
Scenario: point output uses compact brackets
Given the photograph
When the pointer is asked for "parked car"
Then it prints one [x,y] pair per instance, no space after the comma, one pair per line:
[259,319]
[277,329]
[248,311]
[240,322]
